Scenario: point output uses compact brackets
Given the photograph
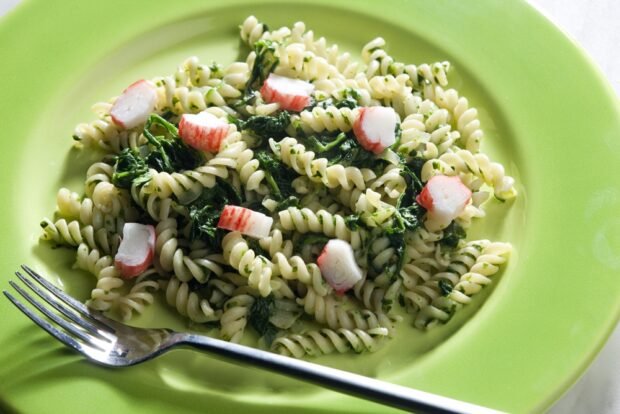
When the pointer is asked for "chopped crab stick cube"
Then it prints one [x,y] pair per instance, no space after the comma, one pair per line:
[245,221]
[290,94]
[338,266]
[203,131]
[135,104]
[444,198]
[375,128]
[135,253]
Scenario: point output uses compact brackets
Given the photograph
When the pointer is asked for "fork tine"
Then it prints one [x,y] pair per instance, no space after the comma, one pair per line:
[59,335]
[78,306]
[82,322]
[89,340]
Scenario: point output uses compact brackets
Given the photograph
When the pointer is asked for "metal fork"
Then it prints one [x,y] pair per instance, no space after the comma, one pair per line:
[110,343]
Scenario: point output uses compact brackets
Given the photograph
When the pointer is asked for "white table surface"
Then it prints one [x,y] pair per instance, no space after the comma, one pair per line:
[595,25]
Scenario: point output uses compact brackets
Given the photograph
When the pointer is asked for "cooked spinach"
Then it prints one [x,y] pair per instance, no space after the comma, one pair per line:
[169,153]
[445,287]
[264,63]
[259,315]
[278,176]
[452,235]
[204,212]
[129,168]
[166,152]
[267,126]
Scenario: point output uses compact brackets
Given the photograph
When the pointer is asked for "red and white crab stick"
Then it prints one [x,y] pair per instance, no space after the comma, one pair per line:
[136,251]
[444,198]
[375,128]
[133,107]
[245,221]
[291,94]
[338,266]
[203,131]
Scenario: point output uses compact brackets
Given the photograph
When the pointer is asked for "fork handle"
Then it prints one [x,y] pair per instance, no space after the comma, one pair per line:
[346,382]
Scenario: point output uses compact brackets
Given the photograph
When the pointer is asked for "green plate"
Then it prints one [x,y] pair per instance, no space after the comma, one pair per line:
[549,117]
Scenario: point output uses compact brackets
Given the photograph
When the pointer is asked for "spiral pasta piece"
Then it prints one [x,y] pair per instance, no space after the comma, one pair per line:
[138,298]
[465,118]
[256,268]
[470,167]
[463,279]
[234,318]
[421,77]
[326,310]
[305,220]
[326,119]
[106,292]
[189,303]
[326,341]
[295,268]
[198,264]
[296,62]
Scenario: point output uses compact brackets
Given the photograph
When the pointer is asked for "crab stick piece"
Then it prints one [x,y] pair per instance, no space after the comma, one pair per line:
[203,131]
[444,198]
[375,128]
[338,265]
[136,251]
[245,221]
[133,107]
[290,94]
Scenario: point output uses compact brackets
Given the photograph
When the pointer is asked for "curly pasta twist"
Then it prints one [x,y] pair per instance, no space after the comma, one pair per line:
[487,264]
[257,269]
[420,270]
[465,279]
[139,296]
[305,220]
[249,171]
[188,303]
[171,257]
[276,243]
[181,99]
[465,118]
[372,210]
[73,234]
[379,62]
[157,207]
[421,243]
[106,292]
[326,119]
[342,61]
[296,62]
[382,87]
[251,30]
[234,319]
[421,296]
[391,182]
[326,310]
[326,341]
[192,73]
[470,167]
[295,268]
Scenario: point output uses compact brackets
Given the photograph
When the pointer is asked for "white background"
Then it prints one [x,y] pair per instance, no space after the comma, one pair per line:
[595,25]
